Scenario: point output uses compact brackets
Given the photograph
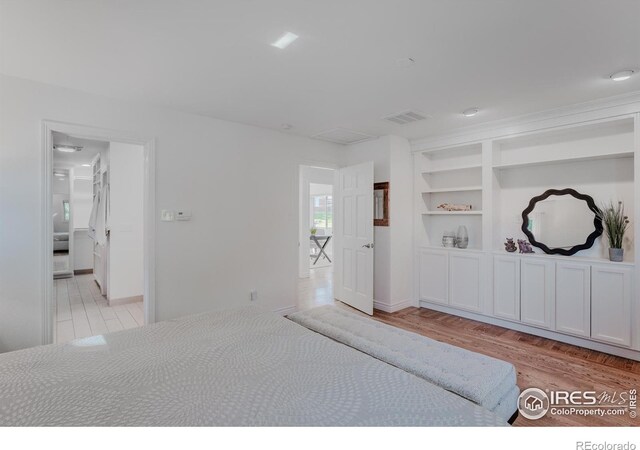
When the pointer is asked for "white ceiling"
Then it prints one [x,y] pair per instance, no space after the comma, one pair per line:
[508,57]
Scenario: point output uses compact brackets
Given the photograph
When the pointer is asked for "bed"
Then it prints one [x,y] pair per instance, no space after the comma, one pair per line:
[243,367]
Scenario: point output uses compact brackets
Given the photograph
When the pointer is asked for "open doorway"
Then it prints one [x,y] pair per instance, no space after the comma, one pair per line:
[315,236]
[97,235]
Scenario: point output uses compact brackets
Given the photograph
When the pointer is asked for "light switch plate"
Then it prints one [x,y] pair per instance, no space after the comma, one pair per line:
[167,215]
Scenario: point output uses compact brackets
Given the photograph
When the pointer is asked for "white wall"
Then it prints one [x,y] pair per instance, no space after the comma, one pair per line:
[401,222]
[126,253]
[392,162]
[308,175]
[239,181]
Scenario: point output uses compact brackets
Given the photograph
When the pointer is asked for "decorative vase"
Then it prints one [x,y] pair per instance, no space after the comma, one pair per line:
[449,239]
[616,254]
[462,238]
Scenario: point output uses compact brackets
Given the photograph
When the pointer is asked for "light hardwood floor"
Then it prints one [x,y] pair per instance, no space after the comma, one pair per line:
[540,362]
[81,310]
[316,290]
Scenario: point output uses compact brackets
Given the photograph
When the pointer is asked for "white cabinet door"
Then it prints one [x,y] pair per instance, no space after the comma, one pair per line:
[537,292]
[506,287]
[465,281]
[573,298]
[611,304]
[434,276]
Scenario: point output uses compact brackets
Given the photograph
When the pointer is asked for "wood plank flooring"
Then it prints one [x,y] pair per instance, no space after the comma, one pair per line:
[540,362]
[81,310]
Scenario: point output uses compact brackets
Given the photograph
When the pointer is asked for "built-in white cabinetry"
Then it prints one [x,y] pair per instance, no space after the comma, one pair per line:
[484,180]
[611,297]
[434,276]
[452,278]
[506,287]
[573,298]
[564,297]
[537,292]
[465,280]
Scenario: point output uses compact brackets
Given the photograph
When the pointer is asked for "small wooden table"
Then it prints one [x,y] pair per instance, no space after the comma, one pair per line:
[316,240]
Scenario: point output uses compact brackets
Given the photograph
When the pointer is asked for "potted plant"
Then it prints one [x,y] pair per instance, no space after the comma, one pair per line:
[615,224]
[313,231]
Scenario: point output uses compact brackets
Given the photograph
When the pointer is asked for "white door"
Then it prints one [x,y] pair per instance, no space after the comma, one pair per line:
[573,298]
[537,293]
[506,287]
[434,276]
[354,236]
[611,304]
[465,281]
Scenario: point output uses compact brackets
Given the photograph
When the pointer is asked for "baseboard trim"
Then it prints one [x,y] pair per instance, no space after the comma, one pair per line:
[286,310]
[392,308]
[82,271]
[125,300]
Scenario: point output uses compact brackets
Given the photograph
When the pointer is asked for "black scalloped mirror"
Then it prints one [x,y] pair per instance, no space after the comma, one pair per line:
[562,222]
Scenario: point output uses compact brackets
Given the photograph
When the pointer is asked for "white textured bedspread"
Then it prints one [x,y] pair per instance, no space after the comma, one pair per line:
[240,367]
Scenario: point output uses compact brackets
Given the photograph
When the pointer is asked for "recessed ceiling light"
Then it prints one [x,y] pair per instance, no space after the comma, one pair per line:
[622,75]
[85,165]
[285,40]
[470,112]
[68,148]
[58,174]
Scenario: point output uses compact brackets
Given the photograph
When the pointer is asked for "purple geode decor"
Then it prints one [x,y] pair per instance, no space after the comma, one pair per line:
[524,246]
[510,246]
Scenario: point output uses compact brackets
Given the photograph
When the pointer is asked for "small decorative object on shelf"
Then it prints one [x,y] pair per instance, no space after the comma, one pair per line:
[510,246]
[454,207]
[615,224]
[313,231]
[462,238]
[524,246]
[449,239]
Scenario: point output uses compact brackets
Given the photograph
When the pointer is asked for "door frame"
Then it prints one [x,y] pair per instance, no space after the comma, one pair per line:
[303,271]
[149,225]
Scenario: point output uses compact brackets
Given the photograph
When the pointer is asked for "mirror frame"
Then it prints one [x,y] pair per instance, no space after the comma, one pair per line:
[384,222]
[597,222]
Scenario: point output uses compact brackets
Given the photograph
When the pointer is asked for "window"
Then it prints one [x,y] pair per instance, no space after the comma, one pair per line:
[322,212]
[65,209]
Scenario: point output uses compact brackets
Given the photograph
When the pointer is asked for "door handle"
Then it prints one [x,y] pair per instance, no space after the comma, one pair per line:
[368,245]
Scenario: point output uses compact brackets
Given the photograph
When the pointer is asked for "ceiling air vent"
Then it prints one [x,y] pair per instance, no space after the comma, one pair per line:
[343,136]
[406,117]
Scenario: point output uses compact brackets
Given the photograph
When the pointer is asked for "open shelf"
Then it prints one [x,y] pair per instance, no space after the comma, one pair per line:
[612,155]
[453,189]
[451,169]
[452,213]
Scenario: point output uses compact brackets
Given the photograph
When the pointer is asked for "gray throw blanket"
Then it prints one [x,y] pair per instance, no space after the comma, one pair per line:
[486,381]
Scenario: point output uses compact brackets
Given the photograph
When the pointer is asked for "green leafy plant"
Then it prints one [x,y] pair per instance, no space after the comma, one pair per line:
[615,222]
[314,231]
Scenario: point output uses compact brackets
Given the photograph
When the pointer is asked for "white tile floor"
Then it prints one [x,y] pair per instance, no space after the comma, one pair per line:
[81,310]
